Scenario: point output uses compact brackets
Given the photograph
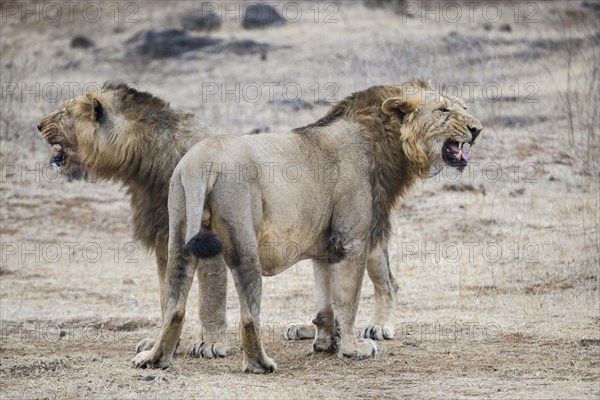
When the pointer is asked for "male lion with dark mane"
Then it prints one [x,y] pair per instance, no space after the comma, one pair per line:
[382,140]
[121,134]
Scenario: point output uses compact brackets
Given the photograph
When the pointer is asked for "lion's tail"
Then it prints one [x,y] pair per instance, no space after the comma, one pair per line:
[204,244]
[200,242]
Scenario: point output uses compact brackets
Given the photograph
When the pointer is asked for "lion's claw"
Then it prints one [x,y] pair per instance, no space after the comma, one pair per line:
[299,332]
[144,345]
[365,348]
[377,332]
[149,359]
[209,350]
[264,366]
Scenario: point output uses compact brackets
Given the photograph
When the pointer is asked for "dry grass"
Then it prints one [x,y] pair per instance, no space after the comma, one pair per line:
[523,326]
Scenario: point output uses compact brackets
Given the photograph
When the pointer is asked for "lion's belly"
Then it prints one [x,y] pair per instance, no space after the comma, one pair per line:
[281,245]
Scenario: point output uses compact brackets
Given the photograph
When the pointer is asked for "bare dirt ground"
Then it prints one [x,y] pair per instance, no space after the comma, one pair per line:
[498,268]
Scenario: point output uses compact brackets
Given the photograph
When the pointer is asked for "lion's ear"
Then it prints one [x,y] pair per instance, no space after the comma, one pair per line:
[98,111]
[400,106]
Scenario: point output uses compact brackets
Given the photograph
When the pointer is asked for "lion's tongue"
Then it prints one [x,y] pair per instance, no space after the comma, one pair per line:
[466,154]
[460,152]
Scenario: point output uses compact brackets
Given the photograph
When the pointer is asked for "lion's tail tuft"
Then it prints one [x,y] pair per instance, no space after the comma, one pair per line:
[203,245]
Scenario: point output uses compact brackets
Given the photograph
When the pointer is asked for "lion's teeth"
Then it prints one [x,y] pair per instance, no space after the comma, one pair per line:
[56,148]
[459,155]
[460,145]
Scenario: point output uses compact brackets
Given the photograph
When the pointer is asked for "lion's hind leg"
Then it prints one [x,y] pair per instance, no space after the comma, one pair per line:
[247,276]
[181,267]
[180,275]
[212,281]
[238,223]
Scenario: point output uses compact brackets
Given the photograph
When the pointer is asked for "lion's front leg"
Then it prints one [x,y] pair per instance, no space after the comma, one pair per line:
[212,281]
[161,264]
[323,328]
[325,319]
[346,282]
[386,288]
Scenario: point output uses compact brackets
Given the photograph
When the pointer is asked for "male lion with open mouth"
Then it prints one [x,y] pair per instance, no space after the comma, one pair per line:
[121,134]
[381,140]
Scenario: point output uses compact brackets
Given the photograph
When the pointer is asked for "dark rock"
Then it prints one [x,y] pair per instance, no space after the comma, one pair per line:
[201,21]
[149,378]
[261,15]
[505,28]
[163,42]
[81,42]
[399,7]
[246,47]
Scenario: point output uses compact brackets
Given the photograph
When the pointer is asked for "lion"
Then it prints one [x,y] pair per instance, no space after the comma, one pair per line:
[120,134]
[381,140]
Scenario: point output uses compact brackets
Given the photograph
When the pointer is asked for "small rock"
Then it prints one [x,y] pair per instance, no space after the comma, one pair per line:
[505,28]
[246,47]
[128,281]
[516,193]
[81,42]
[165,42]
[261,15]
[149,378]
[201,21]
[397,6]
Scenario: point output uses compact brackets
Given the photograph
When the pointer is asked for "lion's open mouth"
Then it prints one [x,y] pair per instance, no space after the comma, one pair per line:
[456,154]
[58,155]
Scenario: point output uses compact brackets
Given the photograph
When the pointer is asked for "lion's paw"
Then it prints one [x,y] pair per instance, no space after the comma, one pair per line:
[377,332]
[327,344]
[362,349]
[209,350]
[299,332]
[144,345]
[264,366]
[150,359]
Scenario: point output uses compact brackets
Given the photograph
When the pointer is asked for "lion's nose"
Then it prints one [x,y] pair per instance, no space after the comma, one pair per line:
[39,126]
[475,131]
